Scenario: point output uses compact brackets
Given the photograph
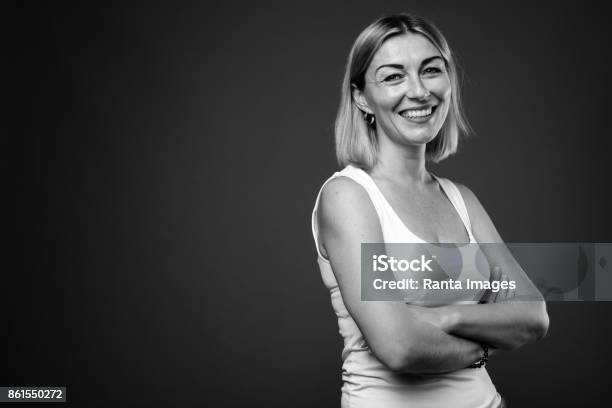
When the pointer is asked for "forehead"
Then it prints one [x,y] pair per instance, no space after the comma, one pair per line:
[405,49]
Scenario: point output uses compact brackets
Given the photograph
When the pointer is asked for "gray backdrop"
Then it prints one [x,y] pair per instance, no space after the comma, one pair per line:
[170,160]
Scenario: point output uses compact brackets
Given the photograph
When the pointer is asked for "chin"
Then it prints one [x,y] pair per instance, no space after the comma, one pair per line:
[419,138]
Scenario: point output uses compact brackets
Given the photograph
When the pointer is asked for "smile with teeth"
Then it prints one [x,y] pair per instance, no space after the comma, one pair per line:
[417,113]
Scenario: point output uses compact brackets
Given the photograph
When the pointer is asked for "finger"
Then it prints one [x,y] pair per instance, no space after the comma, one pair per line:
[495,276]
[496,273]
[511,292]
[497,297]
[504,289]
[488,297]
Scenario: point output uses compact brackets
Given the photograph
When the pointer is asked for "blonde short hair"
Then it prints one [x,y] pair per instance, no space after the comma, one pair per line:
[356,140]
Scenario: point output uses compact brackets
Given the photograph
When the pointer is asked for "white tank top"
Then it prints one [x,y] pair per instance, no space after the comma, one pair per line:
[367,383]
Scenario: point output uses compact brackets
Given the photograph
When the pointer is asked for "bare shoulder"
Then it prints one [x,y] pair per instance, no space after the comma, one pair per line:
[342,188]
[346,213]
[342,195]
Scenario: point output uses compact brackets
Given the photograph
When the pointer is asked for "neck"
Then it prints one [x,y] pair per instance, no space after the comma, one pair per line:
[403,164]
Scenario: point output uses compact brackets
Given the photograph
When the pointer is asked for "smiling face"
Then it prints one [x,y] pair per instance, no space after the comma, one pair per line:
[408,90]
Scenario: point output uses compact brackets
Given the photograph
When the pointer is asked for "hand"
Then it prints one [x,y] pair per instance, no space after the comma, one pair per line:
[503,295]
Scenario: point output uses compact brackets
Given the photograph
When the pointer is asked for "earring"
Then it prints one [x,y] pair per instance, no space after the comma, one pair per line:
[370,119]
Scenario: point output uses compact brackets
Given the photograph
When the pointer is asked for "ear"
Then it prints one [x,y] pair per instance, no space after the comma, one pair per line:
[360,100]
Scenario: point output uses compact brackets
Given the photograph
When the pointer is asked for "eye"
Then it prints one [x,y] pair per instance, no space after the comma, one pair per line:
[393,77]
[432,71]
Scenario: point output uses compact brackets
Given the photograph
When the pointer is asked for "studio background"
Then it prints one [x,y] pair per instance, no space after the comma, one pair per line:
[171,158]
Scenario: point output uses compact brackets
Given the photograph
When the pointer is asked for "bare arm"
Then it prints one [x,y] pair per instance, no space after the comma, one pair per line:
[397,336]
[501,325]
[508,324]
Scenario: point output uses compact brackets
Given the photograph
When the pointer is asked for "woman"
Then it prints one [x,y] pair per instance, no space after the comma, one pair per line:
[400,107]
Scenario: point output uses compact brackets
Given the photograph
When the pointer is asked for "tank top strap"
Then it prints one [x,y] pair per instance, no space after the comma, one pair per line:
[376,197]
[455,197]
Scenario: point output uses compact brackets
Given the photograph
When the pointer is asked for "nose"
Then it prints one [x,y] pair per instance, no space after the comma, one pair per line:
[415,89]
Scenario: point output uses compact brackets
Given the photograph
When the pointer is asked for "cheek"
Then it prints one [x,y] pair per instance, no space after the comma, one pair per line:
[385,98]
[441,87]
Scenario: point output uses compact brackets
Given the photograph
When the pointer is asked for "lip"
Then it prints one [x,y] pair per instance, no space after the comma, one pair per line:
[422,119]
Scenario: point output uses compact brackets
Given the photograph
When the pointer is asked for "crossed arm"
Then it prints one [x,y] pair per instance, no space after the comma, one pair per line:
[416,339]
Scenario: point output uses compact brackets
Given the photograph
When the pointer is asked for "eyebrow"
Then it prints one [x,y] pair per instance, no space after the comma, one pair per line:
[400,66]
